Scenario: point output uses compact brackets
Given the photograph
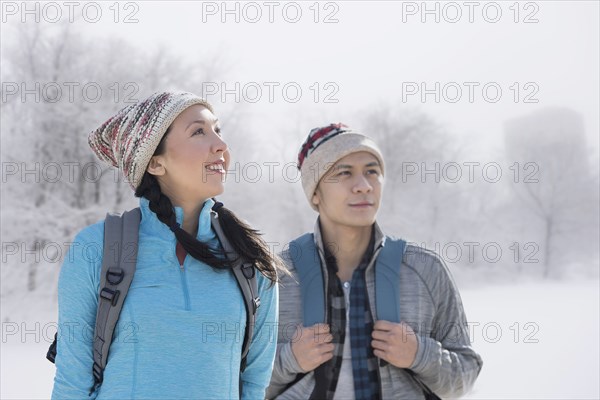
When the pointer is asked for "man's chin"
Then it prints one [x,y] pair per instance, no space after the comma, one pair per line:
[362,222]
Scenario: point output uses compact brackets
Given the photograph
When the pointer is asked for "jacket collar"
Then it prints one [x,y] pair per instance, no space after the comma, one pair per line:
[151,223]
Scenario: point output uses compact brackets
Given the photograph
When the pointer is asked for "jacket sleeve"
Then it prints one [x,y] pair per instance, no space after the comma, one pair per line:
[286,368]
[77,303]
[445,360]
[256,376]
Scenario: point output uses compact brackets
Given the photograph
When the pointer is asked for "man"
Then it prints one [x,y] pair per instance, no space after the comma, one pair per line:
[351,353]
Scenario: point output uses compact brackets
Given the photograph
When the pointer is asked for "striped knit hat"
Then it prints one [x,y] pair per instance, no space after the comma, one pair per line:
[324,147]
[128,139]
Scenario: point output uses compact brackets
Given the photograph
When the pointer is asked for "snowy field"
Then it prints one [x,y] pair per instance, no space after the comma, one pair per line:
[538,341]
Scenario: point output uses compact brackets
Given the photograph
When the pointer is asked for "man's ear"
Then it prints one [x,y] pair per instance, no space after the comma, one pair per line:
[316,198]
[155,166]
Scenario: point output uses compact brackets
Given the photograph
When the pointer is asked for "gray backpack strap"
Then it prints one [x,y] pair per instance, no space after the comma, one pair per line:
[245,274]
[387,279]
[307,262]
[118,267]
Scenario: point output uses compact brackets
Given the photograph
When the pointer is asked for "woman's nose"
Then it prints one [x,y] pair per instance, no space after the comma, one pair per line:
[219,144]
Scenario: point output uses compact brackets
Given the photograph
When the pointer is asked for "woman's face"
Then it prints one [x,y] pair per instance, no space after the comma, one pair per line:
[194,164]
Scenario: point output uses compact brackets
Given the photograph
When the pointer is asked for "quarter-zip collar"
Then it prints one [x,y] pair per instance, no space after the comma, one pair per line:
[150,222]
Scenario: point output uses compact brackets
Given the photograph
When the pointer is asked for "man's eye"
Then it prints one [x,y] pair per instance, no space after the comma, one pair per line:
[343,173]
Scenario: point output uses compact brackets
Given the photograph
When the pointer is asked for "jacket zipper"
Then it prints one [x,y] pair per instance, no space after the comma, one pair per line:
[325,283]
[374,316]
[184,286]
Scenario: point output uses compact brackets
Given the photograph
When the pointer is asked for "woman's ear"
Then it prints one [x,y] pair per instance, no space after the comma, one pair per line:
[155,166]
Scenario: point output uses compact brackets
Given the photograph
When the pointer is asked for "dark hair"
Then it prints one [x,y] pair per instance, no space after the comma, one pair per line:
[246,241]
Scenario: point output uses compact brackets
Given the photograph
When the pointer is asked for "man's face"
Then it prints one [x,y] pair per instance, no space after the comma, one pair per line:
[349,194]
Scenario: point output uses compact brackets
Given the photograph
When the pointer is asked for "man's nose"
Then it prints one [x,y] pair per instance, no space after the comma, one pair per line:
[362,185]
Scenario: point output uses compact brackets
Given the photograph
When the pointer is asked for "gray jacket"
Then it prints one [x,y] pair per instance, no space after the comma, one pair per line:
[429,303]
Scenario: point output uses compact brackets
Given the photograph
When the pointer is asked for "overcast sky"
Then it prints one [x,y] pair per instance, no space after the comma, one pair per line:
[372,53]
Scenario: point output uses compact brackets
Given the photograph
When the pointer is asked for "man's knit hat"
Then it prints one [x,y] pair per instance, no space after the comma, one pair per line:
[128,139]
[324,147]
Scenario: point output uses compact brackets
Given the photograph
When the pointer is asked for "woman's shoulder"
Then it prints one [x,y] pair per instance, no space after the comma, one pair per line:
[90,238]
[92,232]
[81,265]
[87,245]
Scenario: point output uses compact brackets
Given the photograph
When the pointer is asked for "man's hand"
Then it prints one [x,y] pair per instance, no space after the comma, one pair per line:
[312,346]
[395,343]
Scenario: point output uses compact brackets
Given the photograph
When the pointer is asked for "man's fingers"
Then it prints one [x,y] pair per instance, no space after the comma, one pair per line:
[386,326]
[327,347]
[316,330]
[379,345]
[380,354]
[383,325]
[322,335]
[380,335]
[327,355]
[318,339]
[319,328]
[327,338]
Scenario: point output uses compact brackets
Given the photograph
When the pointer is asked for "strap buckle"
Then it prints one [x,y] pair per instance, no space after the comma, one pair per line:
[114,276]
[248,270]
[256,303]
[110,295]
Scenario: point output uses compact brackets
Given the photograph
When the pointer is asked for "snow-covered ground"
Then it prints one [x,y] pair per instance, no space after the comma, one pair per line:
[538,341]
[553,352]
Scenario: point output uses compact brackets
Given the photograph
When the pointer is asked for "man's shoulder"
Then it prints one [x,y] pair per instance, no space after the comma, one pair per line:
[420,260]
[287,256]
[421,257]
[294,249]
[428,266]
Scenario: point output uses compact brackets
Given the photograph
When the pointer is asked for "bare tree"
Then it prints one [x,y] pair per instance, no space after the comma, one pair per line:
[416,149]
[554,182]
[64,91]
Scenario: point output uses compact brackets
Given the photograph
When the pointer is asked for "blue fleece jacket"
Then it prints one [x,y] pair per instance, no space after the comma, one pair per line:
[180,332]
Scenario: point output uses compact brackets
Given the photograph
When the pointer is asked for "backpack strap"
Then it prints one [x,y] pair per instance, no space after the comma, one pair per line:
[118,267]
[303,253]
[387,279]
[245,274]
[306,260]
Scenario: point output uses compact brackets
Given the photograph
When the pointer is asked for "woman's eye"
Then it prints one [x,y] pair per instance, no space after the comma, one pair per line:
[199,131]
[345,173]
[218,130]
[373,172]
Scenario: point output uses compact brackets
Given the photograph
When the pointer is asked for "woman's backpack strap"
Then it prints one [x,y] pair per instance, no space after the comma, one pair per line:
[119,259]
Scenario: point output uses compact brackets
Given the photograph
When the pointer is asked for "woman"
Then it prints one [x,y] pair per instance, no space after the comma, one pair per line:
[181,329]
